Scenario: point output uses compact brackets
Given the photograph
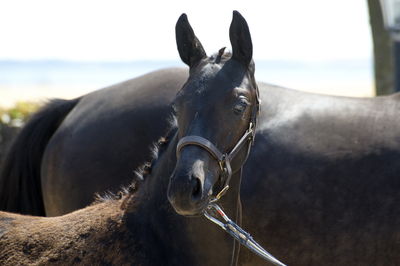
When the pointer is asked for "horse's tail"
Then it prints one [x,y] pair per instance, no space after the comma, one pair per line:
[20,183]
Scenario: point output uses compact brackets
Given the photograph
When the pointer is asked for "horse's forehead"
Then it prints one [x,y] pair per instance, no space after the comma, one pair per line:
[206,73]
[208,77]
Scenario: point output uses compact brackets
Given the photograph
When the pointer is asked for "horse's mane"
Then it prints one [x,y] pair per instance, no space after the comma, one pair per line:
[223,55]
[140,174]
[220,55]
[157,149]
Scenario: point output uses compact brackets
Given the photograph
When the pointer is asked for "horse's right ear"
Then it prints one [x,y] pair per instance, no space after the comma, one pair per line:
[190,49]
[239,33]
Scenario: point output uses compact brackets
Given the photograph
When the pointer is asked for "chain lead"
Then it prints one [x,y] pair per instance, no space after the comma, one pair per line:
[216,215]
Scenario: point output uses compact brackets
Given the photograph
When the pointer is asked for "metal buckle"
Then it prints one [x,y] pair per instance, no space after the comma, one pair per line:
[225,175]
[221,193]
[222,163]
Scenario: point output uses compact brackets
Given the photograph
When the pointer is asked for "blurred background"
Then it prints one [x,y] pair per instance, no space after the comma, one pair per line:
[67,48]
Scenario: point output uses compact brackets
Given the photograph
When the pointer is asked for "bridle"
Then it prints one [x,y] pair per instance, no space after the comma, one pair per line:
[224,159]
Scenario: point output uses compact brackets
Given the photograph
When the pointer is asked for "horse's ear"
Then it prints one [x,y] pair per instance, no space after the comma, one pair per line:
[190,49]
[239,34]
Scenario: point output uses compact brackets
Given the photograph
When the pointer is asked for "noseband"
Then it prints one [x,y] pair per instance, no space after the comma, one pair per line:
[224,159]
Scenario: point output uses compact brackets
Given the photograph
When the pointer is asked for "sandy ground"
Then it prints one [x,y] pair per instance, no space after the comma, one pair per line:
[351,89]
[9,95]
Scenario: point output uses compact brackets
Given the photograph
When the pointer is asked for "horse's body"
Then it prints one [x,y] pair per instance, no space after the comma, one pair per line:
[124,112]
[321,185]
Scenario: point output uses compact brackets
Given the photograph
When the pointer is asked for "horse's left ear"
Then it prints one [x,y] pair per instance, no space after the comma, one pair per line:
[239,34]
[190,49]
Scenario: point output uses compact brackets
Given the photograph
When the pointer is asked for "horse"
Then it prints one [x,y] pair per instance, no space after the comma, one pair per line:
[156,220]
[137,226]
[320,186]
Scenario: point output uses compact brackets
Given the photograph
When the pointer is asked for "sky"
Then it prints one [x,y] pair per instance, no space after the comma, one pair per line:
[86,30]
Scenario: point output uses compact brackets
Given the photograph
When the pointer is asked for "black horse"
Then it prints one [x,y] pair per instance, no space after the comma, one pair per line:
[321,185]
[221,87]
[142,228]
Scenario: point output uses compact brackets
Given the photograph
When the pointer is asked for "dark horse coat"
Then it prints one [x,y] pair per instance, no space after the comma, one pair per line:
[137,227]
[321,185]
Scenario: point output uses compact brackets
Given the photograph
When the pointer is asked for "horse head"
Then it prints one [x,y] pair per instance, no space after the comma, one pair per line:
[216,112]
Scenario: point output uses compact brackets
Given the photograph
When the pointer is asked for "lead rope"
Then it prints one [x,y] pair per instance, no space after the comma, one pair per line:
[215,214]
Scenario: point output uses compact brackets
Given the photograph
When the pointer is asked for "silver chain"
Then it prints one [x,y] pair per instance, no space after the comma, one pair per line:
[216,215]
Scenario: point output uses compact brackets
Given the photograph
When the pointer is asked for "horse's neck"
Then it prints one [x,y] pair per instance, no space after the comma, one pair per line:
[169,238]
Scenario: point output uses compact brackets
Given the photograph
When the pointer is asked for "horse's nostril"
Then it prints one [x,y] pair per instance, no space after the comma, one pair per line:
[196,184]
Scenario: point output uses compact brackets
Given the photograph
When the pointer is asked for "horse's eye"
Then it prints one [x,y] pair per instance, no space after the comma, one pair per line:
[241,106]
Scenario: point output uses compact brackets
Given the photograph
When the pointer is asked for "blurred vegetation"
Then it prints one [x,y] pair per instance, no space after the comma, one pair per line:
[11,121]
[17,115]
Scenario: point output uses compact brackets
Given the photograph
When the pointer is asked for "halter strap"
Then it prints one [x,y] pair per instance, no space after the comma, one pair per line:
[202,142]
[212,149]
[224,160]
[248,135]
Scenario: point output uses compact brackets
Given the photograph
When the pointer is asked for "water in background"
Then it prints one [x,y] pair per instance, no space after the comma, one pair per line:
[31,80]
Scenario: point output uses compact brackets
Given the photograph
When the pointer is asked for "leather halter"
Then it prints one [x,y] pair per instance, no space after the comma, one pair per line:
[224,159]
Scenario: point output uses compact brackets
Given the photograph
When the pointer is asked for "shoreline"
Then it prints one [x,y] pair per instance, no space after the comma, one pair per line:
[9,95]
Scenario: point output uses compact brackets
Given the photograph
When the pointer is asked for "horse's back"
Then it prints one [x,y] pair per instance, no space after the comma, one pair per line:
[329,125]
[102,135]
[5,222]
[324,174]
[84,236]
[15,244]
[105,138]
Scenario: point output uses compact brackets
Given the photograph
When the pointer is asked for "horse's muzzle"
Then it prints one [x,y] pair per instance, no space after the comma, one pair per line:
[190,188]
